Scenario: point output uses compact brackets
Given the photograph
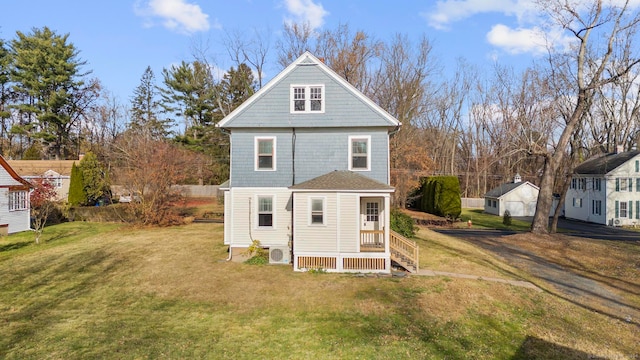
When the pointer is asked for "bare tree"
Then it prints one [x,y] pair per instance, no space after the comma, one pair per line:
[583,69]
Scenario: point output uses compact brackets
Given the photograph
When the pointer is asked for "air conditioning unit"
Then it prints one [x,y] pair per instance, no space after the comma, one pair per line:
[279,255]
[616,222]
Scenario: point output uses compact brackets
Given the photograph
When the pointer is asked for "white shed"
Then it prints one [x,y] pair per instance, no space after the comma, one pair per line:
[519,197]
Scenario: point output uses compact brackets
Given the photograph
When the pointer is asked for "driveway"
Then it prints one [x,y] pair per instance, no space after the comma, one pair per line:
[592,231]
[554,278]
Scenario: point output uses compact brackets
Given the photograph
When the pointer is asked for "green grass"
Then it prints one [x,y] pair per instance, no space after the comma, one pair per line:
[482,220]
[96,291]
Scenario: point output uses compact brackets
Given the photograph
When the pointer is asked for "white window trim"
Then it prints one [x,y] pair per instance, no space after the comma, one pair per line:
[626,210]
[256,149]
[355,137]
[18,200]
[257,212]
[324,211]
[307,99]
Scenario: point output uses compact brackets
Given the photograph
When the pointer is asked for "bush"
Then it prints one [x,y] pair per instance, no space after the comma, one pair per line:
[506,218]
[441,196]
[402,223]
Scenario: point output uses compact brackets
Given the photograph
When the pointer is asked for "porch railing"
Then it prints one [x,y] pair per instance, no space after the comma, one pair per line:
[403,251]
[372,240]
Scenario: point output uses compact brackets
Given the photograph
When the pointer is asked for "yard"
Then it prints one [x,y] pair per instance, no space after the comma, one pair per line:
[108,291]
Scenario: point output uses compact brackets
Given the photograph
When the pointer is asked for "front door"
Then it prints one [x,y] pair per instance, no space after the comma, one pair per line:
[371,221]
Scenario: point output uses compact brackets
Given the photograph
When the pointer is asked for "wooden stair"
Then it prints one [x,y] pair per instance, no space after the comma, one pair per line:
[404,251]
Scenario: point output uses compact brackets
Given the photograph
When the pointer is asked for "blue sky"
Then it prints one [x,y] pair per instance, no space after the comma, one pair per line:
[120,38]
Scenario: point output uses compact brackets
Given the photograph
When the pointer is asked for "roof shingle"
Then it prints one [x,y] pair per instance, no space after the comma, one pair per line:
[342,180]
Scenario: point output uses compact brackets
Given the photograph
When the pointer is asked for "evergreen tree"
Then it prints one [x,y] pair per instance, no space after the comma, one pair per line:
[145,108]
[95,182]
[77,195]
[47,76]
[190,93]
[236,87]
[5,93]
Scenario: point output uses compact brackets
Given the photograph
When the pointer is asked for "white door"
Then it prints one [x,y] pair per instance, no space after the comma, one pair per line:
[371,221]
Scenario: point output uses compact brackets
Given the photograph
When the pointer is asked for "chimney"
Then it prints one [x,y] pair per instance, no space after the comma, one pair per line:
[517,179]
[619,149]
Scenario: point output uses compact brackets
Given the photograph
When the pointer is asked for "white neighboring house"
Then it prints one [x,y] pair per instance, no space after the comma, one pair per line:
[520,198]
[14,200]
[606,190]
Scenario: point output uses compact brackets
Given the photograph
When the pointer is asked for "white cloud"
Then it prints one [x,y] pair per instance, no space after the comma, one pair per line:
[177,15]
[306,11]
[517,41]
[449,11]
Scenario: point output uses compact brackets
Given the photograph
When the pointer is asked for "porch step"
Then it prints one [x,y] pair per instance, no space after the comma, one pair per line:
[404,252]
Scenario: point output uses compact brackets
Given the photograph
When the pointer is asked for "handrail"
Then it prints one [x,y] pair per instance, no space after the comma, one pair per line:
[404,247]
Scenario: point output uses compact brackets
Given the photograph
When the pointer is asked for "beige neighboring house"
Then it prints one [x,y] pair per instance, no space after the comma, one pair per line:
[58,172]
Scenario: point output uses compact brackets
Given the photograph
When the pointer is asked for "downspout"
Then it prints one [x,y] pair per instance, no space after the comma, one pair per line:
[293,182]
[229,133]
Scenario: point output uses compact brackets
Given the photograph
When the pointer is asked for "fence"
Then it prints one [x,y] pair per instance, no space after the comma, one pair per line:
[474,203]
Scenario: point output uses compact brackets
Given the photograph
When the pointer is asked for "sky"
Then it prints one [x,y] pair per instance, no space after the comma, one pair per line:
[119,38]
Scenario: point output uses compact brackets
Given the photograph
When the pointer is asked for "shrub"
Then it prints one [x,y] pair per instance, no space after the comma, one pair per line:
[402,223]
[441,196]
[506,218]
[258,254]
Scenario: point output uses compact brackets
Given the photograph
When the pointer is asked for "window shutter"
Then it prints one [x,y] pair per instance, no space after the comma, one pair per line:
[637,209]
[638,184]
[630,181]
[617,185]
[637,165]
[630,209]
[617,209]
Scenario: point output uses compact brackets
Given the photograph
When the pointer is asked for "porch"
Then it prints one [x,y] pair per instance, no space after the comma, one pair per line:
[372,256]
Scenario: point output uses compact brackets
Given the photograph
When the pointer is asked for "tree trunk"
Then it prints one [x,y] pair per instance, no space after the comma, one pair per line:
[540,224]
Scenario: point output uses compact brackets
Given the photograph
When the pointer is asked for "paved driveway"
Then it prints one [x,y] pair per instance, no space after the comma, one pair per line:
[563,282]
[593,231]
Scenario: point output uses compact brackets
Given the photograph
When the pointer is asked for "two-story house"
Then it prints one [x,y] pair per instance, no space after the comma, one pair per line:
[606,190]
[309,173]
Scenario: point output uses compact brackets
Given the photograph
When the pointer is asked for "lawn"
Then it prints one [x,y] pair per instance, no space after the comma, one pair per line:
[482,220]
[106,291]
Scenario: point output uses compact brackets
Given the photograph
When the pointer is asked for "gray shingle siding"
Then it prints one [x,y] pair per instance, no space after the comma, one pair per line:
[317,152]
[272,109]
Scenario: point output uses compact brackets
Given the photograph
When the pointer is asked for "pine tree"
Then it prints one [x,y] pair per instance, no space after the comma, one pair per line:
[77,195]
[95,182]
[145,108]
[47,76]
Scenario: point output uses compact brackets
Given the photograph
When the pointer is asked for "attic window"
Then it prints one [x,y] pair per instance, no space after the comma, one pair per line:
[307,98]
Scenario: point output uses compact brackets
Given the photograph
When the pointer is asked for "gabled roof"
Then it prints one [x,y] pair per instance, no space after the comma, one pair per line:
[13,173]
[308,59]
[40,167]
[605,164]
[503,189]
[343,180]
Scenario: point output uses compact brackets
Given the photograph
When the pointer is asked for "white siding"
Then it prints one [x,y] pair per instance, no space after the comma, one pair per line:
[17,220]
[349,228]
[314,237]
[241,223]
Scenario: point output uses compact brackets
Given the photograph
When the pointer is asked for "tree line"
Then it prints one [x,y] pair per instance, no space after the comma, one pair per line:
[482,125]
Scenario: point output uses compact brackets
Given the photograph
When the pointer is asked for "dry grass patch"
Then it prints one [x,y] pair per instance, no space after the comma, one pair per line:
[446,253]
[169,293]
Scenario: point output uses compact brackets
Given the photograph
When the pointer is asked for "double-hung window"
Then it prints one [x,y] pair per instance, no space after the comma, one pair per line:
[623,209]
[265,211]
[596,207]
[265,153]
[317,211]
[307,98]
[359,153]
[17,200]
[597,184]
